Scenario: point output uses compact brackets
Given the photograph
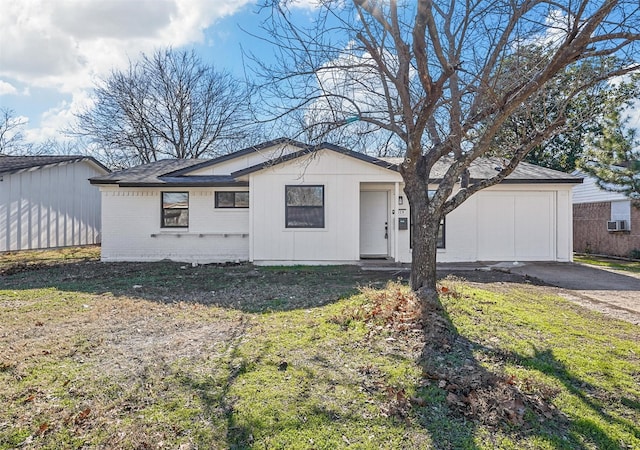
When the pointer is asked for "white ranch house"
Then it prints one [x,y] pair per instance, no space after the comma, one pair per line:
[45,201]
[283,202]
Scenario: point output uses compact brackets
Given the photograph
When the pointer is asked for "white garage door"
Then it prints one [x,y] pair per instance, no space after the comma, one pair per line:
[516,226]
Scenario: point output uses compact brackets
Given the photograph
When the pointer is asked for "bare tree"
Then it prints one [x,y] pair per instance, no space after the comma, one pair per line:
[11,137]
[445,80]
[169,104]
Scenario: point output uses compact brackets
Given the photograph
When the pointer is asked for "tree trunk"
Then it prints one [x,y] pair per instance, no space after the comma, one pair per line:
[425,223]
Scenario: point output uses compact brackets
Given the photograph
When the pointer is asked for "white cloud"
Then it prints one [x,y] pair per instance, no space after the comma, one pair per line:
[113,19]
[55,121]
[7,88]
[305,4]
[64,45]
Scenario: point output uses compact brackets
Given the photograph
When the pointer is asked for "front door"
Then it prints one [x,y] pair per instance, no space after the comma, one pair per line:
[374,232]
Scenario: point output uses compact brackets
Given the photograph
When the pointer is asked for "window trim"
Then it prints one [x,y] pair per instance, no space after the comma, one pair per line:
[217,203]
[163,209]
[286,207]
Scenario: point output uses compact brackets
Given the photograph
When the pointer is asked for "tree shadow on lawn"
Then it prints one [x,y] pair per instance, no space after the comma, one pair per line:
[242,287]
[460,393]
[475,395]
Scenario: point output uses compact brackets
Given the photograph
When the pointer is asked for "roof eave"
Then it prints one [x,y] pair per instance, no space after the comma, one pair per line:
[182,184]
[71,160]
[541,181]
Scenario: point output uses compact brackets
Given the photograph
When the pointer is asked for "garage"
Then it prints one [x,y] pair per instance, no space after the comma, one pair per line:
[516,226]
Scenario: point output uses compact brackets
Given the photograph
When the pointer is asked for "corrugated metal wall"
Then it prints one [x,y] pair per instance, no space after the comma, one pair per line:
[51,206]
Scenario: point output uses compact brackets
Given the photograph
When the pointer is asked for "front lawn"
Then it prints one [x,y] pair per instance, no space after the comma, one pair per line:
[166,355]
[617,264]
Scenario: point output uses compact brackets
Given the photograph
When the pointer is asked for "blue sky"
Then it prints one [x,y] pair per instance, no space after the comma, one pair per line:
[51,51]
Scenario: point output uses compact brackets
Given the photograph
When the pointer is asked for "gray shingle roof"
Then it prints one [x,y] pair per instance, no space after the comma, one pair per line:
[174,172]
[160,173]
[488,167]
[146,174]
[13,164]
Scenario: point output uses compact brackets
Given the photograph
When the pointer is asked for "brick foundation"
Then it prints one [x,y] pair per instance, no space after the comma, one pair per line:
[590,233]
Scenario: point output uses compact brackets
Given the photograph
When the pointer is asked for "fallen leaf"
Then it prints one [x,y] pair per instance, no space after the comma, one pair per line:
[43,428]
[453,399]
[30,398]
[83,415]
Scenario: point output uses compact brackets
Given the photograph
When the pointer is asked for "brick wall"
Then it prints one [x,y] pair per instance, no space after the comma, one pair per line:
[590,233]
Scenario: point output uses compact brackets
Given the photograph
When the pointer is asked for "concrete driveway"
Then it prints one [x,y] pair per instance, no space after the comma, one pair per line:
[613,292]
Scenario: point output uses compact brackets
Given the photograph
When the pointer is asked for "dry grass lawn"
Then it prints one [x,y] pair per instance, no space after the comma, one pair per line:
[166,355]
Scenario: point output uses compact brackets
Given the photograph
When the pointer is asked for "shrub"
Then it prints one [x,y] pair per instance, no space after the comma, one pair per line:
[635,253]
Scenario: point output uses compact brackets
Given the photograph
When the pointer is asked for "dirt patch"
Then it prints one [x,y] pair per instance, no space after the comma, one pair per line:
[620,304]
[606,303]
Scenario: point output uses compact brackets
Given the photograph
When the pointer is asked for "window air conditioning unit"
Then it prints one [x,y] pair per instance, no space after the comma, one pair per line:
[617,225]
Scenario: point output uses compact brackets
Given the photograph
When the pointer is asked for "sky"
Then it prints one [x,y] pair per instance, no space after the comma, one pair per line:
[52,51]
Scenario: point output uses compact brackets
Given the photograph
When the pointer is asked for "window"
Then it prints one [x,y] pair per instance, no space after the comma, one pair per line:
[304,206]
[441,234]
[232,199]
[175,210]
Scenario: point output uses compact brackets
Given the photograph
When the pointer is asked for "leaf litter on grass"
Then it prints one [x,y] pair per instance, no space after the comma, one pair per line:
[253,365]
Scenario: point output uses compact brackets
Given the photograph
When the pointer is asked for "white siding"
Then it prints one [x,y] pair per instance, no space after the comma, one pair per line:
[503,223]
[249,160]
[338,241]
[589,191]
[132,231]
[53,206]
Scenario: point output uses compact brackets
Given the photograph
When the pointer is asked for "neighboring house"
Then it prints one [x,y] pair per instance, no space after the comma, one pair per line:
[283,202]
[604,222]
[45,201]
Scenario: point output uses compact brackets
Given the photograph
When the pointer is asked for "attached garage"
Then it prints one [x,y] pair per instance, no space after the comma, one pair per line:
[516,226]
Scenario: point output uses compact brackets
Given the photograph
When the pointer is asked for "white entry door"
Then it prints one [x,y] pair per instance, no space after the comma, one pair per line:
[374,231]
